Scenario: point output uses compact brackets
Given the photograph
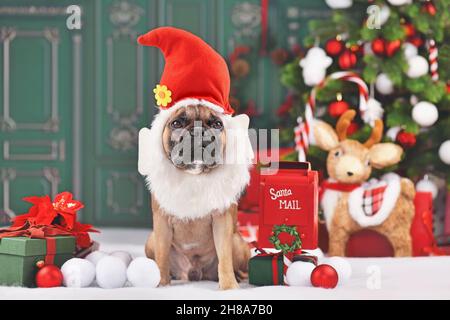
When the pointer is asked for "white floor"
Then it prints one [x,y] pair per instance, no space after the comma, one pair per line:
[382,278]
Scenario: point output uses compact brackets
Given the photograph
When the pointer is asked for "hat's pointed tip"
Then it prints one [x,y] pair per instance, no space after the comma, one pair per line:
[140,40]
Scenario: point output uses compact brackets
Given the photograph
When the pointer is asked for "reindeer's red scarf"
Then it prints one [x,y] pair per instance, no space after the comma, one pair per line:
[369,203]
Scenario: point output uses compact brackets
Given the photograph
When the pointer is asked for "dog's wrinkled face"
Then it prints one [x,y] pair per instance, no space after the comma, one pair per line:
[194,139]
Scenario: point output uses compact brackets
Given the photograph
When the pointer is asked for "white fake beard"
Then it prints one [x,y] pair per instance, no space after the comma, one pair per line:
[191,196]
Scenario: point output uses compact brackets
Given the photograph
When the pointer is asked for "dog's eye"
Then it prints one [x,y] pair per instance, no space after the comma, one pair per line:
[337,153]
[176,124]
[367,162]
[217,124]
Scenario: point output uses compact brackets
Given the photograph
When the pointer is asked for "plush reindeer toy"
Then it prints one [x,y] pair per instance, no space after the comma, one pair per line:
[350,202]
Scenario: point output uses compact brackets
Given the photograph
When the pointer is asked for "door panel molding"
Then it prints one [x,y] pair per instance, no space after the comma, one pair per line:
[54,150]
[9,175]
[7,35]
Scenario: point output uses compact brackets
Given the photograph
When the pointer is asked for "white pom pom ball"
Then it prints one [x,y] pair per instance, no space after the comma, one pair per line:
[111,273]
[425,114]
[384,84]
[409,50]
[339,4]
[78,273]
[299,274]
[417,67]
[143,272]
[95,256]
[122,255]
[444,152]
[342,267]
[426,185]
[384,14]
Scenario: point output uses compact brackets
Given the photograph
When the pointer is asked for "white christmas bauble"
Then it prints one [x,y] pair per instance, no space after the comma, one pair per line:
[399,2]
[339,4]
[342,266]
[444,152]
[299,274]
[425,114]
[417,67]
[384,84]
[426,185]
[95,256]
[111,273]
[78,273]
[143,272]
[122,255]
[384,14]
[393,132]
[409,50]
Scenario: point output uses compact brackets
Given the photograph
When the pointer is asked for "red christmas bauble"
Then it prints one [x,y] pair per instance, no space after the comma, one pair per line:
[409,29]
[336,108]
[333,47]
[324,276]
[416,40]
[429,8]
[392,47]
[406,139]
[352,128]
[347,59]
[49,276]
[379,46]
[448,87]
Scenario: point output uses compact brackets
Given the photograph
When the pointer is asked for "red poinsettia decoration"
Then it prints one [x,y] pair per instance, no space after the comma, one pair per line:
[48,218]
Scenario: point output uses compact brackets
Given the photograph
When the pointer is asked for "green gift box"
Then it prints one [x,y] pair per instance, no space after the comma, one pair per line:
[265,270]
[19,255]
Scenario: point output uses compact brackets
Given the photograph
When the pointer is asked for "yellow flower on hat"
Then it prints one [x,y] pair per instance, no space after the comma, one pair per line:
[162,95]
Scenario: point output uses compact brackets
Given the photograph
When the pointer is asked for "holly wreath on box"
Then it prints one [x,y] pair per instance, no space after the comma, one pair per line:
[293,267]
[45,248]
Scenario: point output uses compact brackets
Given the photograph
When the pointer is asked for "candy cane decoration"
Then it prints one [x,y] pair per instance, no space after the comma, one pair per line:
[432,57]
[302,132]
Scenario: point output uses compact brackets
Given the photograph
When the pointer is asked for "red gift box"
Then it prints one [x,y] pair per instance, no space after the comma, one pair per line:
[289,195]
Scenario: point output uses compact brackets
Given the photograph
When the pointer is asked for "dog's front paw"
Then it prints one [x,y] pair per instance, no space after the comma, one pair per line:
[228,283]
[165,281]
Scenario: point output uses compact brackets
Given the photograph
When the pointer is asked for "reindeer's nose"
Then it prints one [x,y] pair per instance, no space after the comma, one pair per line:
[349,173]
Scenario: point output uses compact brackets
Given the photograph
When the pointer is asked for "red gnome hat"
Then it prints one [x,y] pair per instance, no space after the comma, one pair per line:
[194,72]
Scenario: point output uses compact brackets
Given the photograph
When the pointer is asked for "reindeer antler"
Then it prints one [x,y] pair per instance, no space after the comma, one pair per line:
[343,124]
[376,135]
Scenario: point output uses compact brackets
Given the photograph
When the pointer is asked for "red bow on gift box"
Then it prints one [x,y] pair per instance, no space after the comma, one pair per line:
[48,219]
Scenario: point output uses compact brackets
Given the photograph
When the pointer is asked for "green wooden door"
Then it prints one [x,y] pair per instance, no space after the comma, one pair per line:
[38,87]
[72,101]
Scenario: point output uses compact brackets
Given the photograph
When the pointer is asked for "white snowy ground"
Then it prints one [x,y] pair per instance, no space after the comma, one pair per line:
[401,278]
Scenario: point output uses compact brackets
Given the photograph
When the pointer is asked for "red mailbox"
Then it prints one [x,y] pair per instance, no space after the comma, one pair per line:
[289,195]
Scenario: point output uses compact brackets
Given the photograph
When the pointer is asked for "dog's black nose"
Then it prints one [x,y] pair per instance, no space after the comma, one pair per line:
[349,173]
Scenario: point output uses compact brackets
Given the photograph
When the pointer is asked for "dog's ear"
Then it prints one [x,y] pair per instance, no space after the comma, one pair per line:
[143,151]
[242,121]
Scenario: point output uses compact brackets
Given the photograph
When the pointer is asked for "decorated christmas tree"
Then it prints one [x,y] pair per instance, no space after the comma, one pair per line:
[398,55]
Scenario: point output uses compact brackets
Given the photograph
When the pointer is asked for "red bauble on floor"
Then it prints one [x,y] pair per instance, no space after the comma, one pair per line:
[48,276]
[324,276]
